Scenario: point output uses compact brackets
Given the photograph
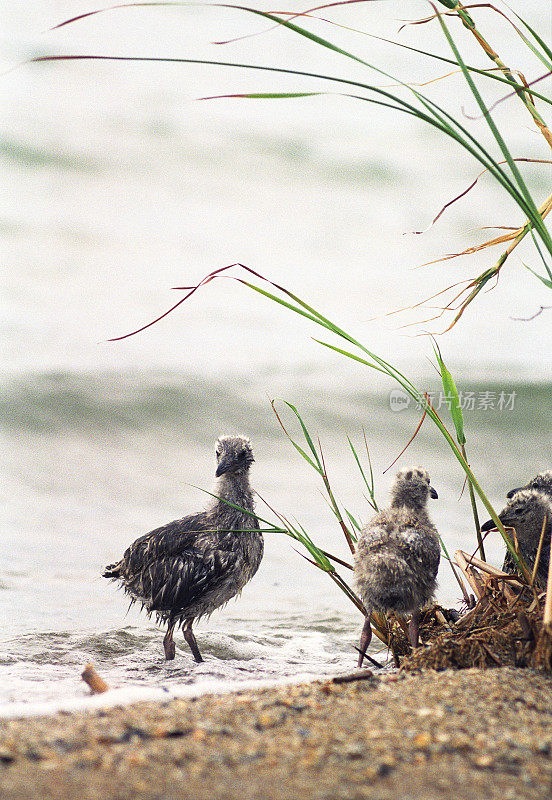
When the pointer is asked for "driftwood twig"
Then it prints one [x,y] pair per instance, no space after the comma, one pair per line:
[96,683]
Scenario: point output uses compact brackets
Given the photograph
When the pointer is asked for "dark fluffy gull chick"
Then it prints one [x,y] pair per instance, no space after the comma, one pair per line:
[542,482]
[397,555]
[188,568]
[525,511]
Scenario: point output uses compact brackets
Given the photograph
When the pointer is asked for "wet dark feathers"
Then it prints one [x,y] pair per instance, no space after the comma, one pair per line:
[187,568]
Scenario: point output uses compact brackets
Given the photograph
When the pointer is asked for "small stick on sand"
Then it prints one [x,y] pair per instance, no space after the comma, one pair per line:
[359,675]
[91,677]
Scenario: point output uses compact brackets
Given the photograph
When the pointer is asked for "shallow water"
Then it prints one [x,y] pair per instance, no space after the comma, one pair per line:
[94,461]
[121,187]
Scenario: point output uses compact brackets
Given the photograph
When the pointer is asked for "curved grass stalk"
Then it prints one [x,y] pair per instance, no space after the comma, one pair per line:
[521,90]
[367,358]
[435,115]
[380,365]
[309,14]
[422,107]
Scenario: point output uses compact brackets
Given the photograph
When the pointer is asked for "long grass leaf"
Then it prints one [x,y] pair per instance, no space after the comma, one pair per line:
[307,435]
[368,483]
[544,280]
[316,465]
[451,395]
[436,115]
[356,525]
[539,40]
[533,212]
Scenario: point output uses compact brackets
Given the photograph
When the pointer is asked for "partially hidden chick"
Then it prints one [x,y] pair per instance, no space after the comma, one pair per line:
[526,511]
[542,482]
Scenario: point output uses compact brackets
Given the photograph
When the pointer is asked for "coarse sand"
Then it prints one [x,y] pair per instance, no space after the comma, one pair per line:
[452,734]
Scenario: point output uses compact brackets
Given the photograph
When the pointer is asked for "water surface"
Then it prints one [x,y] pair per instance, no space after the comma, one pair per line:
[121,186]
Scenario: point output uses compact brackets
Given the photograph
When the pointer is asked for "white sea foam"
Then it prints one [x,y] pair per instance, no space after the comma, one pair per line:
[128,695]
[49,679]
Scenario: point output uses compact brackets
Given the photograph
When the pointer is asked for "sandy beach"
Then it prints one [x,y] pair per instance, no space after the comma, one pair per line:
[452,734]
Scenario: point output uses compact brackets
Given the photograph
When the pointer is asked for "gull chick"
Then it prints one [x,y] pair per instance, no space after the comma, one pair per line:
[397,555]
[188,568]
[526,511]
[542,482]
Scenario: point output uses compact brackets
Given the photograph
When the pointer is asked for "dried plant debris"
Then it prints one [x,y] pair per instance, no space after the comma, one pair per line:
[497,632]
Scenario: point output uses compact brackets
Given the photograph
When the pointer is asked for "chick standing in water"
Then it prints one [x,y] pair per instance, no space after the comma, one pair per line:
[190,567]
[397,555]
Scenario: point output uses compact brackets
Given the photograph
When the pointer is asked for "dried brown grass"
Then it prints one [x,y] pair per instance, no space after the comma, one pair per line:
[499,631]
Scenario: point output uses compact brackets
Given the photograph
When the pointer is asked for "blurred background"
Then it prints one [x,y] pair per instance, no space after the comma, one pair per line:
[119,185]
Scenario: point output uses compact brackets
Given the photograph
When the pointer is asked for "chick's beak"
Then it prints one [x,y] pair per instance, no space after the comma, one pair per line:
[433,493]
[512,492]
[489,525]
[226,463]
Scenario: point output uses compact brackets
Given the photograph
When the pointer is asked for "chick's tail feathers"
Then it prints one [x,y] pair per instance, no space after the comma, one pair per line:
[112,571]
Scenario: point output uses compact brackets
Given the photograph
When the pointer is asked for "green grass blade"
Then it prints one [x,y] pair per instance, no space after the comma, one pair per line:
[264,95]
[356,525]
[368,483]
[533,214]
[539,40]
[544,280]
[271,527]
[451,394]
[316,464]
[307,436]
[541,254]
[299,534]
